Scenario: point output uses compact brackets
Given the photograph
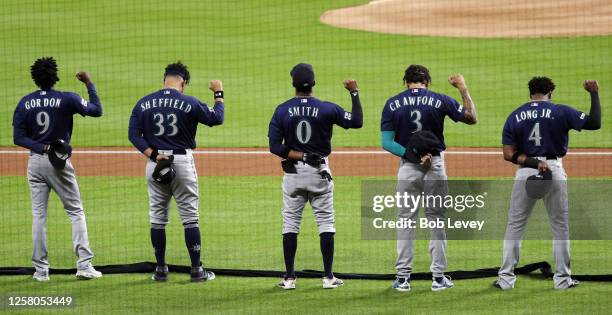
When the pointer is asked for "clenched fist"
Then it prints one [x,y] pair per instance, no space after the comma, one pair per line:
[83,77]
[457,81]
[350,85]
[591,85]
[215,85]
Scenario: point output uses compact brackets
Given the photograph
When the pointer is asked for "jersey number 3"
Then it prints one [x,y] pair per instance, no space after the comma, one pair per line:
[534,135]
[415,115]
[170,123]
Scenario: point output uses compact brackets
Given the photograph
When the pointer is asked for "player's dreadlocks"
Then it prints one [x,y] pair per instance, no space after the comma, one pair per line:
[543,85]
[44,73]
[177,68]
[417,74]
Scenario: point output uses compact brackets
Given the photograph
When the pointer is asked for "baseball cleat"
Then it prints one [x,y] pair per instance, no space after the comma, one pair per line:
[87,274]
[287,283]
[401,284]
[332,283]
[498,286]
[160,274]
[198,274]
[571,284]
[41,275]
[441,283]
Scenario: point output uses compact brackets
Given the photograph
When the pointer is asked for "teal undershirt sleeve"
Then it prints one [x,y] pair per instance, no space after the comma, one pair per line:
[389,144]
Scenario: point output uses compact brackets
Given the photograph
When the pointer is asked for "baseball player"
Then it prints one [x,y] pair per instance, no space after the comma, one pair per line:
[420,111]
[300,132]
[535,137]
[42,122]
[163,127]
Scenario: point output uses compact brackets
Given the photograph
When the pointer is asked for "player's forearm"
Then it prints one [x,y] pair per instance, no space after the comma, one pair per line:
[389,144]
[95,109]
[470,116]
[356,110]
[278,148]
[22,140]
[593,121]
[138,140]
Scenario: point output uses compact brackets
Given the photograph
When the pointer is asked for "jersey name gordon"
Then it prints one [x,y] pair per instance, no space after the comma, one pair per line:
[44,102]
[165,103]
[533,114]
[414,101]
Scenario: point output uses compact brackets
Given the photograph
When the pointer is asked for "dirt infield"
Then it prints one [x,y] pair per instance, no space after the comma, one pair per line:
[478,18]
[460,162]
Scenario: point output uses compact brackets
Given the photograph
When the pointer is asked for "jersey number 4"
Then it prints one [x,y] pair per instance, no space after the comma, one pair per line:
[170,123]
[534,135]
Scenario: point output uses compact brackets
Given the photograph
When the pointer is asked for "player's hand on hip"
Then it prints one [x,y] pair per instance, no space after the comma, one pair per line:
[350,85]
[215,85]
[84,77]
[591,85]
[457,81]
[543,166]
[161,157]
[426,161]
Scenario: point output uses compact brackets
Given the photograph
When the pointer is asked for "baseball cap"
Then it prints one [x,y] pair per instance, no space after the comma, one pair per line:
[303,75]
[420,143]
[60,151]
[537,186]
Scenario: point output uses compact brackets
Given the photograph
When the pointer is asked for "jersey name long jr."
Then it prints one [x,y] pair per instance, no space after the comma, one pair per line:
[166,103]
[533,114]
[415,100]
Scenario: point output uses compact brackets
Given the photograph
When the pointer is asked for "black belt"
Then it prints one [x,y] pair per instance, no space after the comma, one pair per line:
[548,157]
[175,151]
[435,154]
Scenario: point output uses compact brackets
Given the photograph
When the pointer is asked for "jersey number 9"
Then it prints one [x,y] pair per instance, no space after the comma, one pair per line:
[42,119]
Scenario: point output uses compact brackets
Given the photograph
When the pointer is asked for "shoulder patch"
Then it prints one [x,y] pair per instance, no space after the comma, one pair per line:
[83,102]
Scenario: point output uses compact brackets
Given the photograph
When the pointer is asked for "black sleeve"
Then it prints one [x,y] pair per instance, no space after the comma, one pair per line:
[356,110]
[593,120]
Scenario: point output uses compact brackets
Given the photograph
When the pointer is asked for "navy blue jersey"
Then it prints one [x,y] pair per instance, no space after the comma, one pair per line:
[168,120]
[419,109]
[42,117]
[540,128]
[305,124]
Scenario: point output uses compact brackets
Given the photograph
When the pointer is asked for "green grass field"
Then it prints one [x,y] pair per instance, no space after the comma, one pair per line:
[241,229]
[252,45]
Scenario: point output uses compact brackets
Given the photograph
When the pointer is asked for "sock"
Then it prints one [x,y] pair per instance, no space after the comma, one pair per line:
[193,242]
[158,240]
[289,249]
[327,250]
[438,279]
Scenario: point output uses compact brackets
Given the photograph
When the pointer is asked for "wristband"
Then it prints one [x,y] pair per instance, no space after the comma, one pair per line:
[531,162]
[515,157]
[218,94]
[153,156]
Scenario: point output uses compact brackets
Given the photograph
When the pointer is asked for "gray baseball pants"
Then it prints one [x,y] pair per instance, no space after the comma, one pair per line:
[414,179]
[43,178]
[521,206]
[307,185]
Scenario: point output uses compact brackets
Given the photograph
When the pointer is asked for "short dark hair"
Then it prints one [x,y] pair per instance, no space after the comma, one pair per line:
[417,74]
[177,68]
[44,73]
[304,89]
[543,85]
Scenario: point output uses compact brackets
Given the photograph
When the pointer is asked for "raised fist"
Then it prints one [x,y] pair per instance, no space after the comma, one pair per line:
[83,77]
[215,85]
[591,85]
[457,81]
[350,85]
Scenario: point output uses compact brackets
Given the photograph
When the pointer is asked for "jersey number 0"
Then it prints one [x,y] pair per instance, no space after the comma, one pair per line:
[303,131]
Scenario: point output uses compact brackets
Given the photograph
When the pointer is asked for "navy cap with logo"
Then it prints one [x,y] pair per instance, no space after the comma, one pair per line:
[421,143]
[303,75]
[59,152]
